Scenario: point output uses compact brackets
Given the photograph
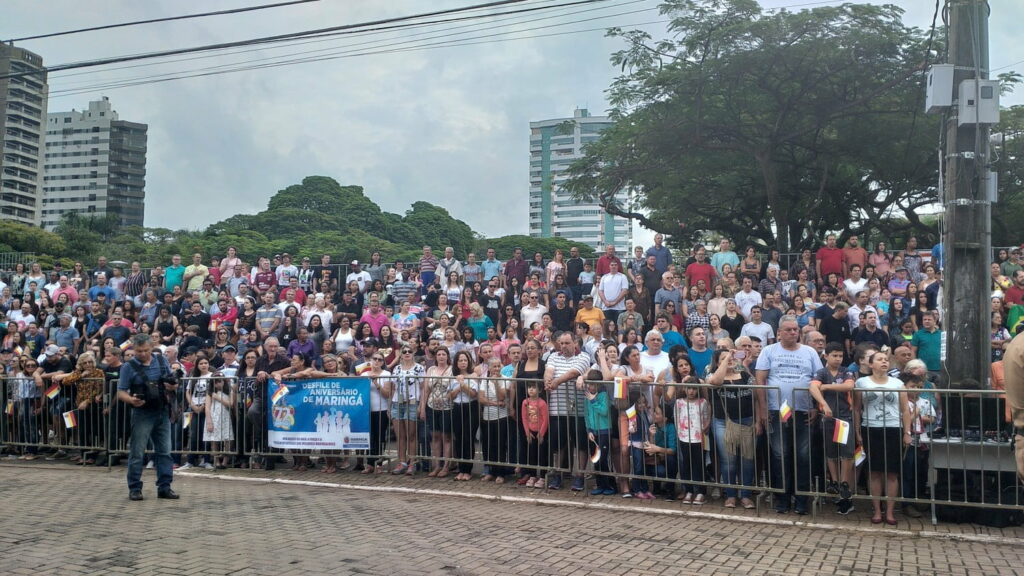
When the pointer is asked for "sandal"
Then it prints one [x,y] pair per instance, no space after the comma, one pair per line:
[748,504]
[433,473]
[442,473]
[730,503]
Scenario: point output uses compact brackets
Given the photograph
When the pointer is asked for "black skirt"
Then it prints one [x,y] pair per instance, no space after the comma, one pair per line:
[884,449]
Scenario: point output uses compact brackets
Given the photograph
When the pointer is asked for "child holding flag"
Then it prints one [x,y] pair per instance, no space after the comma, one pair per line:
[638,418]
[831,389]
[599,424]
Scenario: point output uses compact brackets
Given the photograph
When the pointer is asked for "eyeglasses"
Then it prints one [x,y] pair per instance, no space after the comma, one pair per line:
[378,359]
[406,351]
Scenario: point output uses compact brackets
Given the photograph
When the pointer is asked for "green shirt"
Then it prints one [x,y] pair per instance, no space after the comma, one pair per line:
[597,417]
[928,345]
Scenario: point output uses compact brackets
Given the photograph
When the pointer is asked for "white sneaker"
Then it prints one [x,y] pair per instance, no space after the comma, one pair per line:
[207,465]
[149,465]
[185,466]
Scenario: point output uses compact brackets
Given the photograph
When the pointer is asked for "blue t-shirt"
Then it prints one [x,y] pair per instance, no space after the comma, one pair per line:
[700,361]
[789,370]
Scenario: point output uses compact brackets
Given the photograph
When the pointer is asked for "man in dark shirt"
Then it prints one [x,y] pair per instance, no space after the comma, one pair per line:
[824,310]
[516,268]
[573,267]
[200,319]
[836,327]
[273,360]
[349,308]
[562,316]
[868,331]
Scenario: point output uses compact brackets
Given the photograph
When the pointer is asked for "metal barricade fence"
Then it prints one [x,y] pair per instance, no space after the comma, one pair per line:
[57,417]
[945,453]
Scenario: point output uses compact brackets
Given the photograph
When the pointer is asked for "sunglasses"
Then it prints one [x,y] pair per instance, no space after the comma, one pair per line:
[378,359]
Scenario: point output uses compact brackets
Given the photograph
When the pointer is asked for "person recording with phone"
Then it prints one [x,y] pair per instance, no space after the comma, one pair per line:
[144,384]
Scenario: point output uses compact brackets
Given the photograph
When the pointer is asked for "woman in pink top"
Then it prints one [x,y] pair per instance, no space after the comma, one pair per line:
[880,260]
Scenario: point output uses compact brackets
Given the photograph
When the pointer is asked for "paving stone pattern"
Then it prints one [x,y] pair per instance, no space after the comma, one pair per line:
[64,520]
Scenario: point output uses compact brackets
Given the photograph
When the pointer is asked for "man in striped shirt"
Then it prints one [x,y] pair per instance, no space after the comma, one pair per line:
[566,406]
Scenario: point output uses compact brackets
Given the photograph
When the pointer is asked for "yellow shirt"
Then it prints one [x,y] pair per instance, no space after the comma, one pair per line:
[591,317]
[200,273]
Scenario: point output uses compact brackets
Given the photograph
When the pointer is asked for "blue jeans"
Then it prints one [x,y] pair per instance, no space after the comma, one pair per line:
[602,467]
[790,463]
[636,456]
[28,424]
[146,425]
[734,468]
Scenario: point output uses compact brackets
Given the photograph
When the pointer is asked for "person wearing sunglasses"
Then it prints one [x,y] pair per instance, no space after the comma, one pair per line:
[407,383]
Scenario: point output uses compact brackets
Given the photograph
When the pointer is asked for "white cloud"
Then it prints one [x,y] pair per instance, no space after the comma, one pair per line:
[449,126]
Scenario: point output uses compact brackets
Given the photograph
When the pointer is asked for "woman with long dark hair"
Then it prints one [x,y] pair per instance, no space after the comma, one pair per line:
[465,413]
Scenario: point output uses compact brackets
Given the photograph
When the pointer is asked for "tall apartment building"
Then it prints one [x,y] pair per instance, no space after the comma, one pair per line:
[554,145]
[23,102]
[95,165]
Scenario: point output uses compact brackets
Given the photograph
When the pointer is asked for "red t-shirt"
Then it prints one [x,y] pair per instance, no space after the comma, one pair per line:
[830,260]
[700,271]
[265,281]
[1015,295]
[604,264]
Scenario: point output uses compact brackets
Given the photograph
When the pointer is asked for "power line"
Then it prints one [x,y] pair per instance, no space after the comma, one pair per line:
[371,32]
[344,51]
[445,44]
[155,20]
[269,39]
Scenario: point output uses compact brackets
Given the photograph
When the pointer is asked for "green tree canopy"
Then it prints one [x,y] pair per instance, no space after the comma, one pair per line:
[317,216]
[768,127]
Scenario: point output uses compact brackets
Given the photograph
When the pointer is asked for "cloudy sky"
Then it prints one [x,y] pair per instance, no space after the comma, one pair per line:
[447,125]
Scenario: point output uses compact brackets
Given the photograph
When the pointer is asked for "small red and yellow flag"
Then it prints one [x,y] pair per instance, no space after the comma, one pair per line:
[70,420]
[10,408]
[841,433]
[785,412]
[52,391]
[859,456]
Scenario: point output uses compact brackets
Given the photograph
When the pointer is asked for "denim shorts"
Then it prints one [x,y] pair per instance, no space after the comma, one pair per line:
[405,411]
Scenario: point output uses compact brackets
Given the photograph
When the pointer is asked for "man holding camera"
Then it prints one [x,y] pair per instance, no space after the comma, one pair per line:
[143,384]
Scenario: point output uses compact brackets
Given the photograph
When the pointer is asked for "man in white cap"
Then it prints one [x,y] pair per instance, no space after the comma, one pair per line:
[360,276]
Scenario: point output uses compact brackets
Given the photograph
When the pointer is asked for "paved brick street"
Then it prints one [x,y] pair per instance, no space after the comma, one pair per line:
[63,520]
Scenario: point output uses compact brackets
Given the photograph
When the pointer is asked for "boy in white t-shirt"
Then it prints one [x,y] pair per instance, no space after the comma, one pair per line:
[915,460]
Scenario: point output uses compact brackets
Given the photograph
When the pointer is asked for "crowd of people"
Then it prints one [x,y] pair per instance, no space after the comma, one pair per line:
[720,357]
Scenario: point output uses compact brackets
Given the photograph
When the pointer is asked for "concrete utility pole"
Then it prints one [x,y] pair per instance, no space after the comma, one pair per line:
[967,239]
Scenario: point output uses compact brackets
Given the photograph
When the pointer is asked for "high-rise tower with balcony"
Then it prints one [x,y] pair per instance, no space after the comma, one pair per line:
[554,145]
[23,94]
[95,165]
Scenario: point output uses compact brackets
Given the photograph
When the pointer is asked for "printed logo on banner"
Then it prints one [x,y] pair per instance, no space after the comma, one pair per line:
[321,414]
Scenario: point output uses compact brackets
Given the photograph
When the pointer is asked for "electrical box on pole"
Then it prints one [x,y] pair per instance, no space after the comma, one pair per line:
[978,102]
[939,95]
